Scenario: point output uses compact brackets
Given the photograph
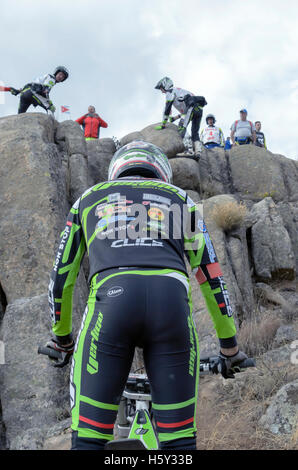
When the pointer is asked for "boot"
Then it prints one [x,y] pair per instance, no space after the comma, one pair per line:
[198,147]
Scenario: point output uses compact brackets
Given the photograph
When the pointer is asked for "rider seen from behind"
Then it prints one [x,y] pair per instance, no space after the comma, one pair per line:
[37,92]
[136,228]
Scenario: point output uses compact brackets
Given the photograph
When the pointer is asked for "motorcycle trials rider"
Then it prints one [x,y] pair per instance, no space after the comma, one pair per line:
[37,92]
[189,106]
[136,228]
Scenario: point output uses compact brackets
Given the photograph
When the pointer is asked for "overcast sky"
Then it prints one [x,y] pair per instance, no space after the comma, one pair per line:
[236,53]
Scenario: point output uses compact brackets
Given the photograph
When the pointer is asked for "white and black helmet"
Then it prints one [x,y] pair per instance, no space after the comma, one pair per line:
[210,116]
[166,83]
[140,158]
[63,69]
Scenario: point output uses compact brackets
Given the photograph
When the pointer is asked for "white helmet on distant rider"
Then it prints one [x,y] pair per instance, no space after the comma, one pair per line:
[165,83]
[140,158]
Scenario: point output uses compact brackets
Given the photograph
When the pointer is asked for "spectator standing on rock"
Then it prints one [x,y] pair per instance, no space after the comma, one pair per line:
[212,136]
[91,123]
[189,106]
[260,136]
[243,131]
[37,92]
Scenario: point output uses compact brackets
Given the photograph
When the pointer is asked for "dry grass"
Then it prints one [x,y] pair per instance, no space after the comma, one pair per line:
[229,411]
[229,215]
[256,334]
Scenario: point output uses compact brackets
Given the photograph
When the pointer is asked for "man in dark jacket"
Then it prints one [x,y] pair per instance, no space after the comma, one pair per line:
[91,123]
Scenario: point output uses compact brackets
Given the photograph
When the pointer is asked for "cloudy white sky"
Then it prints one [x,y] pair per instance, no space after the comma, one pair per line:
[236,53]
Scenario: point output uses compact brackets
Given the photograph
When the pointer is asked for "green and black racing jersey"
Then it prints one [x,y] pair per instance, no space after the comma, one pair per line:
[144,223]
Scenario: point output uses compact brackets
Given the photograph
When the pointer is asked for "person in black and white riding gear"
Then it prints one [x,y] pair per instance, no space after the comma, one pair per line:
[189,106]
[37,92]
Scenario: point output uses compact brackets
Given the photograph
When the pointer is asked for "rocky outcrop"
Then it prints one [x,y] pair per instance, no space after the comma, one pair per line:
[167,139]
[100,153]
[233,256]
[250,172]
[282,413]
[272,250]
[45,167]
[34,202]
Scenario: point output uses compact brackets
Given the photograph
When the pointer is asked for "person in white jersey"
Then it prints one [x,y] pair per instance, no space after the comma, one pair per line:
[212,136]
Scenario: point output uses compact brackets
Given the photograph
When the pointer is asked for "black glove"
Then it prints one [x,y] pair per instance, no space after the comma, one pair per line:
[14,91]
[65,351]
[227,363]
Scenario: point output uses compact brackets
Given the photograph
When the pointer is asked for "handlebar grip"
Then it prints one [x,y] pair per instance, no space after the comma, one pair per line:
[49,352]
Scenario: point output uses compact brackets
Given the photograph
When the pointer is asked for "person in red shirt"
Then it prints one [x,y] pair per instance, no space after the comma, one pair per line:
[91,124]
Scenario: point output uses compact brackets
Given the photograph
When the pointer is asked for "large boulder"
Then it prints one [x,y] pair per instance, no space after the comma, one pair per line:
[100,153]
[232,253]
[78,176]
[251,172]
[289,214]
[185,173]
[70,138]
[281,416]
[167,139]
[33,203]
[215,173]
[272,251]
[33,192]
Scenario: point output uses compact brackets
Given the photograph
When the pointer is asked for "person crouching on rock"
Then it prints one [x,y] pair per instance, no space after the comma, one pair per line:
[212,136]
[37,92]
[189,106]
[91,123]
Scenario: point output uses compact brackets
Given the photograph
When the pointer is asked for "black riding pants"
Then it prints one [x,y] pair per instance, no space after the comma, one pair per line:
[27,99]
[151,309]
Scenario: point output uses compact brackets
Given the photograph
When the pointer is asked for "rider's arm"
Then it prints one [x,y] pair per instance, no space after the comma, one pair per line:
[64,274]
[202,257]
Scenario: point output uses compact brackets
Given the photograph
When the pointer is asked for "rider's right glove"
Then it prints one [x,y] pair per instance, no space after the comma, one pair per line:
[66,351]
[52,108]
[227,363]
[14,91]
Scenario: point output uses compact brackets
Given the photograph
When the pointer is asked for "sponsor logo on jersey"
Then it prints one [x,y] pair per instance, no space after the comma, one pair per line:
[115,291]
[61,247]
[92,366]
[156,214]
[126,242]
[157,198]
